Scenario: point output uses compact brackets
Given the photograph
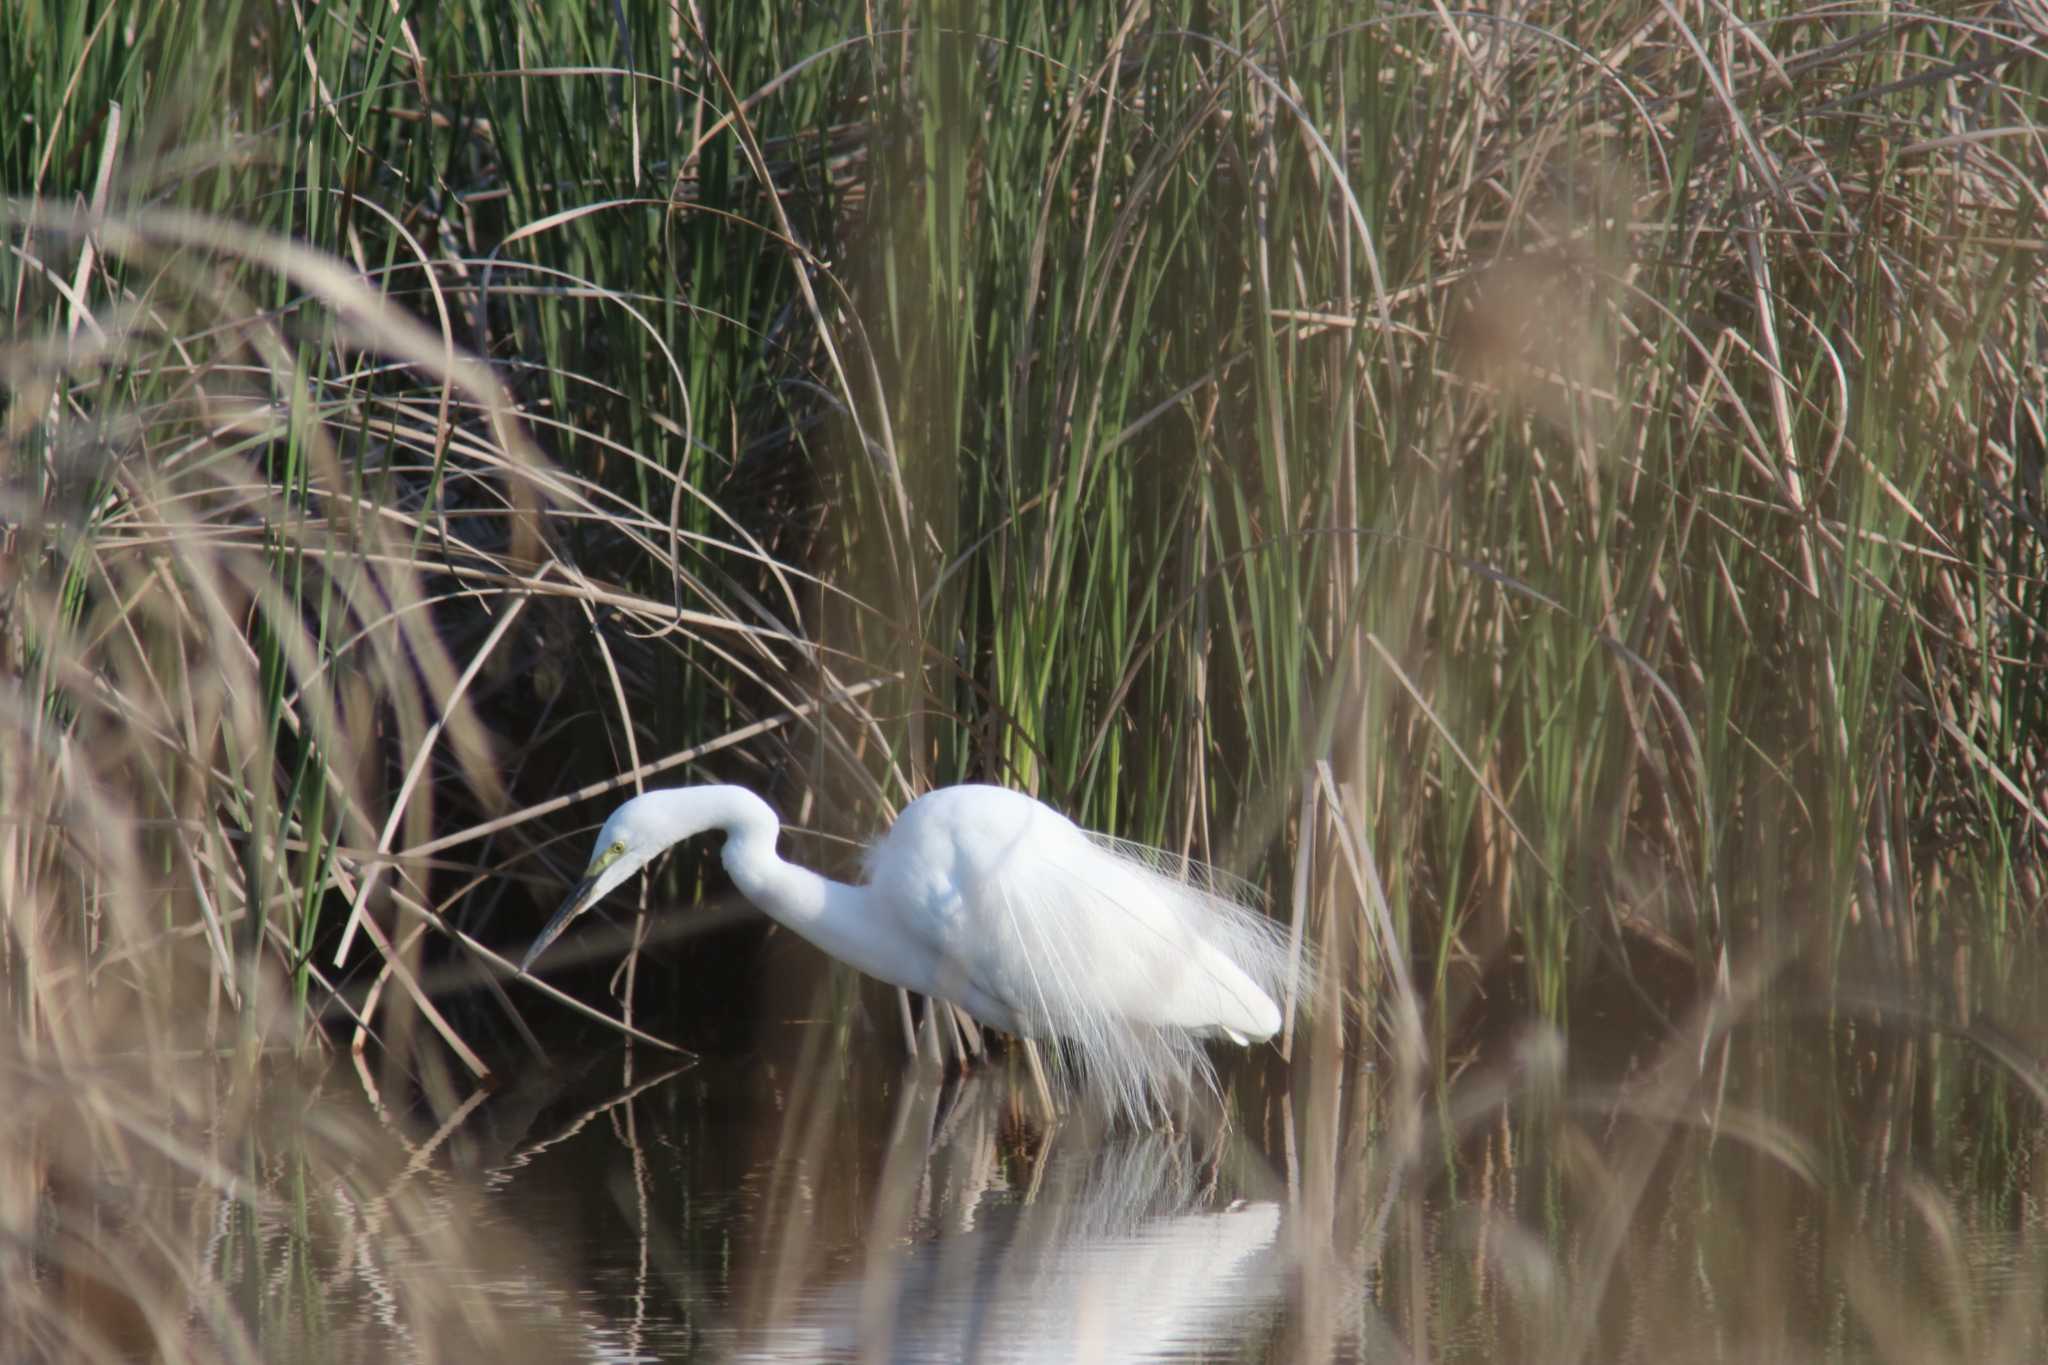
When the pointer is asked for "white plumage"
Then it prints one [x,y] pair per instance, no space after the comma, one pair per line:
[994,901]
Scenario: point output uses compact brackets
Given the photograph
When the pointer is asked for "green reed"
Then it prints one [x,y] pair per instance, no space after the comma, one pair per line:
[1554,501]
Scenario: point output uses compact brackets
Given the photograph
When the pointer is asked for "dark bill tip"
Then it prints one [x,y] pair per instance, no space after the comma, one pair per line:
[571,908]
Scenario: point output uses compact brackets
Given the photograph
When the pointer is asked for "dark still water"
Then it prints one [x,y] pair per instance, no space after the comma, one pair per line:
[1841,1193]
[725,1213]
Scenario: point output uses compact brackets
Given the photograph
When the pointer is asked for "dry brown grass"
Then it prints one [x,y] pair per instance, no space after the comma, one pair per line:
[1560,496]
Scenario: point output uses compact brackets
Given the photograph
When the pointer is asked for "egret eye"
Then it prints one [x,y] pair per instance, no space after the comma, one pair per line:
[618,847]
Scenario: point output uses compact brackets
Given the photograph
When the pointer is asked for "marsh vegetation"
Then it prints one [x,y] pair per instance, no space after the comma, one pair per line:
[1555,499]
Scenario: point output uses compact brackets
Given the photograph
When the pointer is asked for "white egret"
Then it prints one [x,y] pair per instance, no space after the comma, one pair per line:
[993,901]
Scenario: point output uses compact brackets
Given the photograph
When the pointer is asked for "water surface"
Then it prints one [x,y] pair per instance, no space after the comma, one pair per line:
[1837,1192]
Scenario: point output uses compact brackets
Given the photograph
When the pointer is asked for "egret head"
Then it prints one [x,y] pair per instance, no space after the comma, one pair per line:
[635,834]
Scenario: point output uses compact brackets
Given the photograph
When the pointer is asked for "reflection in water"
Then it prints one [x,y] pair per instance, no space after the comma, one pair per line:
[1120,1250]
[761,1210]
[1842,1194]
[708,1217]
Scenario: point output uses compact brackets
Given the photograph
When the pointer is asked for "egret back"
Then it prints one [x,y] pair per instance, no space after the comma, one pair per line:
[1043,929]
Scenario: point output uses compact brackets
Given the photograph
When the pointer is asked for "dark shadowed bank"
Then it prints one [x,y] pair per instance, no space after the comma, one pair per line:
[1553,498]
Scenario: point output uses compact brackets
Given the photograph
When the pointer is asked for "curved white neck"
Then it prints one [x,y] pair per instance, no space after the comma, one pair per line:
[832,915]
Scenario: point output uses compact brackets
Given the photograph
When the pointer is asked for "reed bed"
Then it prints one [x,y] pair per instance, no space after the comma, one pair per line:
[1555,497]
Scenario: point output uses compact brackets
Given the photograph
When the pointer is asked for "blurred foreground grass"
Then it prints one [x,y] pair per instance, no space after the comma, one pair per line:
[1557,499]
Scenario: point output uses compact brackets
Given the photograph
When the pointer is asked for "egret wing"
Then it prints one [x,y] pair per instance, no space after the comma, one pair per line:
[1088,942]
[1127,955]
